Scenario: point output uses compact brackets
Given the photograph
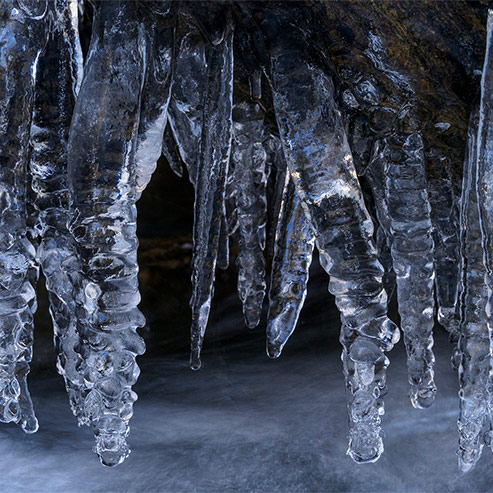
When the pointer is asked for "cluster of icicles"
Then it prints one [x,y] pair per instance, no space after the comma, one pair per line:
[80,139]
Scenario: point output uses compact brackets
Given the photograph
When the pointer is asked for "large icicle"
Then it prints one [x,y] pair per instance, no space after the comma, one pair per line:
[23,33]
[485,189]
[396,173]
[58,77]
[412,256]
[473,345]
[293,249]
[210,184]
[321,165]
[249,181]
[102,174]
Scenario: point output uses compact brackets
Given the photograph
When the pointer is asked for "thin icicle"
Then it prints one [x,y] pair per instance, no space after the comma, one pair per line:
[210,185]
[58,77]
[321,165]
[249,181]
[473,344]
[485,190]
[291,262]
[23,34]
[445,218]
[102,176]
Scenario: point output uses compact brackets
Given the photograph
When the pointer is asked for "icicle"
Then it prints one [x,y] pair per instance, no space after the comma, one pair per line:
[322,170]
[473,345]
[485,191]
[396,175]
[102,178]
[445,219]
[291,262]
[412,255]
[375,174]
[186,104]
[156,95]
[249,180]
[58,77]
[23,34]
[210,184]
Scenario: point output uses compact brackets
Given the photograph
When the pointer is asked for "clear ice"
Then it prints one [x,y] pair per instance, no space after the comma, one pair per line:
[285,153]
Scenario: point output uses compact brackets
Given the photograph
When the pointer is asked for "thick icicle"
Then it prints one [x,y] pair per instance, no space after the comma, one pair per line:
[102,174]
[293,249]
[58,77]
[473,345]
[210,184]
[23,34]
[321,166]
[156,94]
[249,181]
[412,256]
[396,174]
[485,190]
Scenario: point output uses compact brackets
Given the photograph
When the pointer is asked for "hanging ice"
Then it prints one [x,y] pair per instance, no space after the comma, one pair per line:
[249,181]
[102,176]
[76,156]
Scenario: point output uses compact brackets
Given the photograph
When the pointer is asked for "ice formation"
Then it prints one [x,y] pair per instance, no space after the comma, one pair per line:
[266,125]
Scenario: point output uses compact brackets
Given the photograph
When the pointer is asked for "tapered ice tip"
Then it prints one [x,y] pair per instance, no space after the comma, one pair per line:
[422,398]
[195,362]
[466,466]
[364,450]
[111,449]
[252,318]
[30,424]
[274,349]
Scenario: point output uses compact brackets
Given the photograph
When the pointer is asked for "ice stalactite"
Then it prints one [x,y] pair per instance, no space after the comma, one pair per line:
[473,344]
[102,178]
[23,34]
[293,250]
[249,176]
[444,218]
[214,155]
[485,191]
[58,77]
[412,256]
[321,166]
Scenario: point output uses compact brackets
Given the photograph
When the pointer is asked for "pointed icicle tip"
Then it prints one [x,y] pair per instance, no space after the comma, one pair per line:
[195,362]
[274,349]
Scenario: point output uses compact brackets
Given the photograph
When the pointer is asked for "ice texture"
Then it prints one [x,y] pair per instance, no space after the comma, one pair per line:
[249,175]
[212,168]
[227,91]
[23,34]
[321,167]
[103,177]
[474,342]
[59,74]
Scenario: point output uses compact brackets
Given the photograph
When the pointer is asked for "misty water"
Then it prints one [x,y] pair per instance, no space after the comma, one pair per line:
[245,422]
